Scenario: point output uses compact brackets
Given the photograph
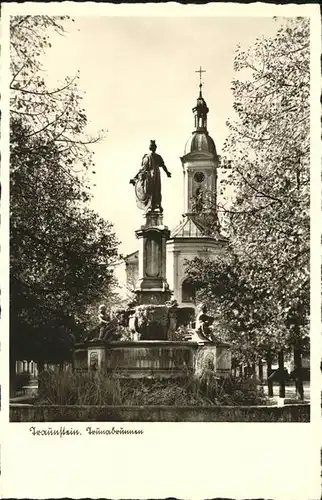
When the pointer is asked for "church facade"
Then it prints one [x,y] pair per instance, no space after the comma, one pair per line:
[190,238]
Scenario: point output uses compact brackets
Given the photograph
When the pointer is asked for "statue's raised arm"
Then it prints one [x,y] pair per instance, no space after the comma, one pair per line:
[147,181]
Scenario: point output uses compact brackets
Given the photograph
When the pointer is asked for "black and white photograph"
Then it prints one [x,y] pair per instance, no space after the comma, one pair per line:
[159,219]
[160,222]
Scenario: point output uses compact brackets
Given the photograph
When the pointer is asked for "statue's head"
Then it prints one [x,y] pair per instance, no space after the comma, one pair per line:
[152,146]
[102,308]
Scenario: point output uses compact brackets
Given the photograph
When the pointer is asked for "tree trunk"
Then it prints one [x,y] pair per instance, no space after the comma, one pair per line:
[297,353]
[260,370]
[281,374]
[241,370]
[269,371]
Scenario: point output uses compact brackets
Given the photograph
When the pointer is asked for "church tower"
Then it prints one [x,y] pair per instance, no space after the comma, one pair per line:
[190,238]
[200,160]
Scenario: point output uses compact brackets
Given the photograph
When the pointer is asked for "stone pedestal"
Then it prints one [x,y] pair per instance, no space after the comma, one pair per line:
[152,286]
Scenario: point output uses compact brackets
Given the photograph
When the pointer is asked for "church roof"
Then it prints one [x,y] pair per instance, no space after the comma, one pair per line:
[190,227]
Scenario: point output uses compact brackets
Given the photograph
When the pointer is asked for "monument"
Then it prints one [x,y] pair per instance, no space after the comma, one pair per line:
[152,286]
[154,318]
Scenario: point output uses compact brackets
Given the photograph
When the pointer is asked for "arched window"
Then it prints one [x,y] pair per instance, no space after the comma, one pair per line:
[188,291]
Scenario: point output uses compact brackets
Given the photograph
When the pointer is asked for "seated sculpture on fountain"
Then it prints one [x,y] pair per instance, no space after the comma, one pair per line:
[203,326]
[103,320]
[107,326]
[172,319]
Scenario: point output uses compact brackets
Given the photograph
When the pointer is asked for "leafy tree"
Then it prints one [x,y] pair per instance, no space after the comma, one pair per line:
[223,284]
[268,220]
[61,252]
[54,113]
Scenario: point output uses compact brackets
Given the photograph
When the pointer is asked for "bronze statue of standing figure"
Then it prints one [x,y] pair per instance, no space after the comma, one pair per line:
[147,181]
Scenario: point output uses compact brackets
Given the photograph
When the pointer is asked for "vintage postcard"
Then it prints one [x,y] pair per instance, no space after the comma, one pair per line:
[160,264]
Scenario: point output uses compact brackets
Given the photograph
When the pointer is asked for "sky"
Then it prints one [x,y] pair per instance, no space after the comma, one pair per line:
[140,83]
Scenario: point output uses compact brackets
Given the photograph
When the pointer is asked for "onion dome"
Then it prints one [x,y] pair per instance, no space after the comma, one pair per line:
[200,141]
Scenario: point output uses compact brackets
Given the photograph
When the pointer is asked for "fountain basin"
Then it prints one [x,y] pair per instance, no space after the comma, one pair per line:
[152,358]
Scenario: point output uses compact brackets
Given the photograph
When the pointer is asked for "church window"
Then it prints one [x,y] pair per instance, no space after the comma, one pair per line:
[188,291]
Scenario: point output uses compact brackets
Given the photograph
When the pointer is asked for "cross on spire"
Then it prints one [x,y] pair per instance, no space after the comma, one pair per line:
[200,71]
[200,111]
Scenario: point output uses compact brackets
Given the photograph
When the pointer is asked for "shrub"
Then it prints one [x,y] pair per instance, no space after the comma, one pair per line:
[224,390]
[144,392]
[83,388]
[67,388]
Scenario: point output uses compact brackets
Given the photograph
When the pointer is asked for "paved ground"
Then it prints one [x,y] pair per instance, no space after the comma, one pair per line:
[290,390]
